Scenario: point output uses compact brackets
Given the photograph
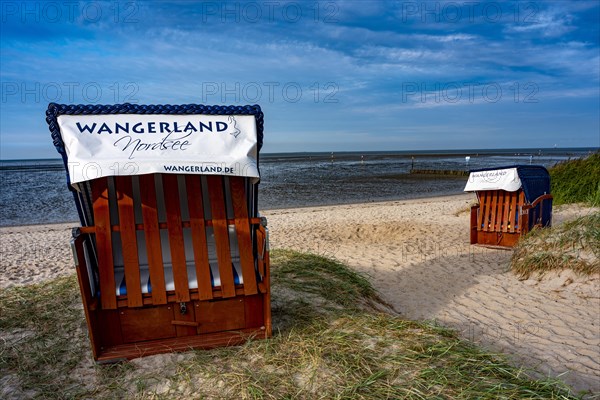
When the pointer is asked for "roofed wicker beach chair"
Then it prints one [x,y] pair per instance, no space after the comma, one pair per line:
[512,200]
[171,253]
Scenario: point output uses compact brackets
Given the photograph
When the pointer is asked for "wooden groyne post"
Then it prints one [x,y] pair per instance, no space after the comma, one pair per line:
[439,172]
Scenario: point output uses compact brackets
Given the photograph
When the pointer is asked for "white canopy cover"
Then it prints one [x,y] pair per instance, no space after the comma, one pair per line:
[137,144]
[499,179]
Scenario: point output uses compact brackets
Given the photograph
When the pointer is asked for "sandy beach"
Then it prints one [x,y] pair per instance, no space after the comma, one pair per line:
[417,254]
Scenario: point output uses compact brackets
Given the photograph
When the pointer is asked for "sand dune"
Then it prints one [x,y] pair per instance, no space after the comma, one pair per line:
[418,256]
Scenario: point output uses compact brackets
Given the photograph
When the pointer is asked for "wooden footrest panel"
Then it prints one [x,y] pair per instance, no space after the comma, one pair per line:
[185,343]
[504,239]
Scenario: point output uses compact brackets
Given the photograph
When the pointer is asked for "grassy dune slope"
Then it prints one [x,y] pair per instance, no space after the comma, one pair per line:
[574,245]
[577,181]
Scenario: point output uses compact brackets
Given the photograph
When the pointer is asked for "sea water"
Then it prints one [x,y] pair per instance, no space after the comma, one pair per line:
[35,191]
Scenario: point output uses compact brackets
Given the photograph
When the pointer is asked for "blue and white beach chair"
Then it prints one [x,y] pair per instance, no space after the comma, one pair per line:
[512,201]
[171,253]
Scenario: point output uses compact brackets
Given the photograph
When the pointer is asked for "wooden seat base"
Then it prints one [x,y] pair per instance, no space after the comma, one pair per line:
[127,333]
[501,239]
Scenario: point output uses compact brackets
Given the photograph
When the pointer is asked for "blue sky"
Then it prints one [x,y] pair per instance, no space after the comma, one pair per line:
[330,76]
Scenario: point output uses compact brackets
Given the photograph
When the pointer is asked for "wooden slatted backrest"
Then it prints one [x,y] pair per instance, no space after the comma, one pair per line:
[519,206]
[129,247]
[244,237]
[154,221]
[152,236]
[176,241]
[199,240]
[106,272]
[221,232]
[499,211]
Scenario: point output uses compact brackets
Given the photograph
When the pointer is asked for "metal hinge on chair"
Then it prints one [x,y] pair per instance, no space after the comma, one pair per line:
[75,234]
[263,222]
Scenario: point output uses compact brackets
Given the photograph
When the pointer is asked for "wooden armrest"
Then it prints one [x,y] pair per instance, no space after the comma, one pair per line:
[538,200]
[163,225]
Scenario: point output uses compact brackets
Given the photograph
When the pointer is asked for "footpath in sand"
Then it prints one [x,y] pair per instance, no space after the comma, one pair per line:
[417,254]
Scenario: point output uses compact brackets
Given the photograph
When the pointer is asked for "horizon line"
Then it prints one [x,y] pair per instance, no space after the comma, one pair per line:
[424,151]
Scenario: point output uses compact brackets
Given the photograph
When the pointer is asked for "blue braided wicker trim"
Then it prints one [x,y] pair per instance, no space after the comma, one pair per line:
[54,110]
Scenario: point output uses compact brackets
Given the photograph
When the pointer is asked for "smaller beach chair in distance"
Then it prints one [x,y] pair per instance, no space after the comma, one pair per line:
[512,201]
[171,253]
